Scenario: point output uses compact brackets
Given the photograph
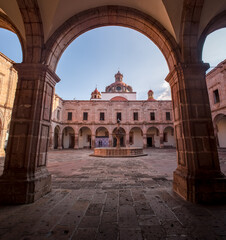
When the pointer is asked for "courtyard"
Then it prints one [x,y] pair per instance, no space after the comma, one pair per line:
[113,198]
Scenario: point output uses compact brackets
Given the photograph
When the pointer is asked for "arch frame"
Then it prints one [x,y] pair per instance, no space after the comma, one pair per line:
[110,16]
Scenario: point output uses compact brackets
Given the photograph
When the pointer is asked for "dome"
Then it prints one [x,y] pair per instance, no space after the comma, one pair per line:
[151,95]
[95,94]
[118,85]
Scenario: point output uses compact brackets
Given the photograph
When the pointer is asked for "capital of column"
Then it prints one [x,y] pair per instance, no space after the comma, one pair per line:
[182,68]
[36,70]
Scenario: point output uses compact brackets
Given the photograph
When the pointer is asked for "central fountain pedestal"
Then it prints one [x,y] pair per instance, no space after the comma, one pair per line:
[118,152]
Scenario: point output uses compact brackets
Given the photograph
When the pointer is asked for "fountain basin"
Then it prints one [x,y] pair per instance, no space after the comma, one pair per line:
[118,152]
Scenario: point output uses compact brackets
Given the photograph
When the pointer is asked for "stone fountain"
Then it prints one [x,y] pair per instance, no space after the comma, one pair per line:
[118,151]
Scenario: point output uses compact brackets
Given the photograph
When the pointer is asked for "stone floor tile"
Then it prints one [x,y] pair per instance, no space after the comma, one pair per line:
[85,234]
[130,234]
[127,217]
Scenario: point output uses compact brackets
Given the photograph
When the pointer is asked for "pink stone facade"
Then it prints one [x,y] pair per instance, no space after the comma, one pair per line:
[137,130]
[216,83]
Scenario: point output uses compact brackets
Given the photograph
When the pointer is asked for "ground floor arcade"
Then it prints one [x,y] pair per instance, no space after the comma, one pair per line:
[64,137]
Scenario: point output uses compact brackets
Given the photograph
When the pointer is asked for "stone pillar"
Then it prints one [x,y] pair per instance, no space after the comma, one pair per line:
[76,141]
[93,136]
[161,138]
[25,177]
[198,177]
[60,141]
[110,140]
[144,141]
[127,140]
[51,140]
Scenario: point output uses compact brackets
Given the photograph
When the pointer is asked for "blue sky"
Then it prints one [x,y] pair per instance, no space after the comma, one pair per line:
[94,57]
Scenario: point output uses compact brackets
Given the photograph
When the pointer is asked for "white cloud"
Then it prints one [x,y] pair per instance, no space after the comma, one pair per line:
[165,93]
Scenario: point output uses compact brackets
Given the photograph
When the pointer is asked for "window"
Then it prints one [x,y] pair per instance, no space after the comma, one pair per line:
[119,116]
[216,96]
[102,116]
[85,116]
[167,115]
[135,116]
[69,116]
[58,114]
[152,116]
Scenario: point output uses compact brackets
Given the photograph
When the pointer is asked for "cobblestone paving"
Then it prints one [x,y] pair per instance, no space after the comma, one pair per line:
[113,199]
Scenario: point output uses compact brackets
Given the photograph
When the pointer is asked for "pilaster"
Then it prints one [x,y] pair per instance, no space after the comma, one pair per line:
[198,177]
[25,177]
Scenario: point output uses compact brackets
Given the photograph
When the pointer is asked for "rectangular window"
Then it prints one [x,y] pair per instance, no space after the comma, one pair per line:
[102,116]
[167,115]
[135,116]
[216,96]
[119,116]
[152,116]
[85,116]
[69,116]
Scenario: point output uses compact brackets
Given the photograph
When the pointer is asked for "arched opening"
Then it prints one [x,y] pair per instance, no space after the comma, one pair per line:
[56,137]
[122,138]
[68,138]
[168,137]
[153,138]
[220,127]
[10,52]
[136,137]
[84,138]
[102,137]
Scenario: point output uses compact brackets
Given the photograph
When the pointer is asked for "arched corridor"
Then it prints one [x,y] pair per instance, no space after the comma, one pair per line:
[153,139]
[45,32]
[68,138]
[102,137]
[84,138]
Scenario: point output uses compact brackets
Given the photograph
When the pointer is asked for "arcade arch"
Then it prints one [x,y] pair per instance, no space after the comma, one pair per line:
[68,138]
[56,137]
[168,137]
[122,138]
[186,78]
[136,137]
[84,137]
[220,126]
[102,137]
[153,138]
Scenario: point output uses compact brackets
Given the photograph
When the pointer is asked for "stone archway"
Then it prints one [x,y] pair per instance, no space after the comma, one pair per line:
[110,16]
[56,137]
[197,175]
[102,137]
[136,137]
[84,137]
[68,138]
[153,138]
[168,137]
[220,126]
[122,138]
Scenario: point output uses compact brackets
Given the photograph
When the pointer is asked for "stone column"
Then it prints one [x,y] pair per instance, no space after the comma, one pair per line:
[76,141]
[161,138]
[110,140]
[144,141]
[60,145]
[25,177]
[127,140]
[198,177]
[51,140]
[93,136]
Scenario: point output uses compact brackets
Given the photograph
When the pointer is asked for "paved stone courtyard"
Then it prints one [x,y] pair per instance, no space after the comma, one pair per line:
[118,199]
